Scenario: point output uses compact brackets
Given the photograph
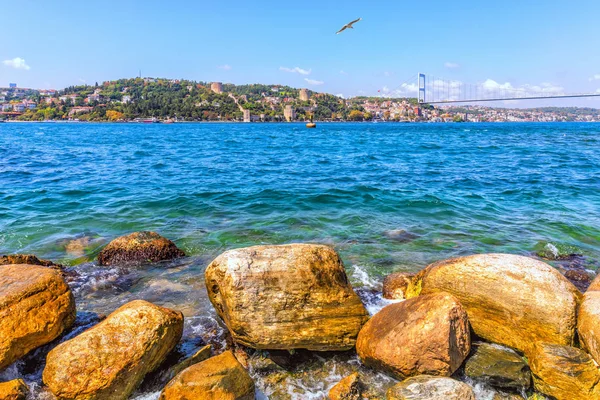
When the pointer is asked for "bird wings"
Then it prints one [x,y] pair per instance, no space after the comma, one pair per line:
[348,25]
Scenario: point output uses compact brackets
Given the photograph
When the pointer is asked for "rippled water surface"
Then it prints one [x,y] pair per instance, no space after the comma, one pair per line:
[388,197]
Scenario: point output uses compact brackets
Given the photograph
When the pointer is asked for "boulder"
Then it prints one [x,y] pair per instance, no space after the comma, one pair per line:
[595,285]
[511,300]
[111,359]
[588,324]
[219,377]
[396,285]
[294,296]
[564,372]
[424,335]
[201,355]
[16,389]
[138,248]
[498,366]
[426,387]
[29,259]
[346,389]
[36,306]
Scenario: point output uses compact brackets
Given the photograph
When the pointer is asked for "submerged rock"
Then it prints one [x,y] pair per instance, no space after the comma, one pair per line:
[400,235]
[138,248]
[36,306]
[294,296]
[111,359]
[346,389]
[564,372]
[396,285]
[512,300]
[425,387]
[498,366]
[219,377]
[16,389]
[580,278]
[424,335]
[588,324]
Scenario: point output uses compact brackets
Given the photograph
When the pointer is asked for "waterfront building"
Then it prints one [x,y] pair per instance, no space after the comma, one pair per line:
[304,95]
[7,107]
[126,99]
[12,85]
[289,113]
[216,87]
[18,107]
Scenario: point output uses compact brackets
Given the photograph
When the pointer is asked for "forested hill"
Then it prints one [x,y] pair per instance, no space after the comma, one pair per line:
[128,99]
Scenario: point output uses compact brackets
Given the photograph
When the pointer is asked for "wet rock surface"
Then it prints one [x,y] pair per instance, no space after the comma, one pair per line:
[111,359]
[498,366]
[424,335]
[503,293]
[348,388]
[293,296]
[36,306]
[588,324]
[396,285]
[138,248]
[29,259]
[219,377]
[425,387]
[16,389]
[564,372]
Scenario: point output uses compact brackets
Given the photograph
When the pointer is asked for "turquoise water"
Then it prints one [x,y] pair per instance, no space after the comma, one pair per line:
[456,188]
[388,197]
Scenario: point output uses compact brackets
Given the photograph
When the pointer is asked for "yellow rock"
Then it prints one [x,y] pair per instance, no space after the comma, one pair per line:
[346,389]
[16,389]
[36,306]
[111,359]
[564,372]
[219,378]
[396,285]
[588,324]
[424,335]
[286,297]
[512,300]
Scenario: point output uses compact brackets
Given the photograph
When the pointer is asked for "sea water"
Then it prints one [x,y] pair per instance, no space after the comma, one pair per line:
[388,197]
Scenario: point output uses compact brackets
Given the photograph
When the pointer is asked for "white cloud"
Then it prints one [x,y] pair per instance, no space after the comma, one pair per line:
[595,78]
[407,88]
[225,67]
[341,95]
[313,81]
[597,90]
[343,72]
[388,73]
[82,80]
[385,89]
[451,65]
[296,70]
[17,63]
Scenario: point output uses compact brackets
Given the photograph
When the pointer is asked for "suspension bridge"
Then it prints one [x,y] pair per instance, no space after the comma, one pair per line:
[434,90]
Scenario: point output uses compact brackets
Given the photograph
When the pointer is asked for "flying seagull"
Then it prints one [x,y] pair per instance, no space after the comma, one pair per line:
[348,25]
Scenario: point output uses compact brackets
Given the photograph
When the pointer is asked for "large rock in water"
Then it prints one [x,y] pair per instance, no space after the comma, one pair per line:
[36,306]
[16,389]
[588,324]
[218,378]
[512,300]
[424,335]
[564,372]
[110,360]
[425,387]
[498,366]
[294,296]
[138,248]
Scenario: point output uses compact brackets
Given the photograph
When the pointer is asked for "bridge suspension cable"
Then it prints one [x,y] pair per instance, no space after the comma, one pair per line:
[434,90]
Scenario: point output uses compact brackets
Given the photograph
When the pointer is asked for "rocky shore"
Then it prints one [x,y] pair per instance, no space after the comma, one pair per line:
[512,323]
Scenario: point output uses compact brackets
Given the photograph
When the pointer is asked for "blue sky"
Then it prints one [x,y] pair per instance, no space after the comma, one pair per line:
[549,44]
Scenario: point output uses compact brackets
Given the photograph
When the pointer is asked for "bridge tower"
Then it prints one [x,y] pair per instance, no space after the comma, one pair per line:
[421,88]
